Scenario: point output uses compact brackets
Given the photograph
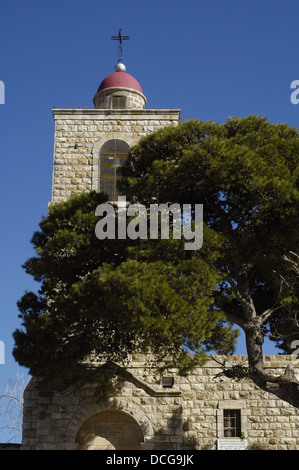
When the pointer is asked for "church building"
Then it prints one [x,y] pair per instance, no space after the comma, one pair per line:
[199,412]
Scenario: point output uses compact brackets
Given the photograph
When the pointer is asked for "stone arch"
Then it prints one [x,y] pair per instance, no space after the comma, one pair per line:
[96,153]
[126,406]
[110,430]
[113,154]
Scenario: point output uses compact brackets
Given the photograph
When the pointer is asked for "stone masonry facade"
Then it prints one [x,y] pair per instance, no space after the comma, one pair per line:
[140,413]
[80,134]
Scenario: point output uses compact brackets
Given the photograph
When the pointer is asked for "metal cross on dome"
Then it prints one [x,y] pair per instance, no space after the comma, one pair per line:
[120,38]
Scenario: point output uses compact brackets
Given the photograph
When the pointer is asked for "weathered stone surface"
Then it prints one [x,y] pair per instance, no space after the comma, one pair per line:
[80,134]
[187,416]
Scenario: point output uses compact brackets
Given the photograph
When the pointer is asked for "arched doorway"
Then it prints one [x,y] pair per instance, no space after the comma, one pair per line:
[110,430]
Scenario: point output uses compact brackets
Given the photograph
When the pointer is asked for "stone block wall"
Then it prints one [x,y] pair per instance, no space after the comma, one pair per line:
[189,415]
[134,99]
[80,134]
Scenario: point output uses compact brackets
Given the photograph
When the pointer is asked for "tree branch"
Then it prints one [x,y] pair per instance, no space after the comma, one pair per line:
[267,313]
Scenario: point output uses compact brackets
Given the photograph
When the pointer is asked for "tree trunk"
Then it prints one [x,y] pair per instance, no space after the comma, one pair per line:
[286,386]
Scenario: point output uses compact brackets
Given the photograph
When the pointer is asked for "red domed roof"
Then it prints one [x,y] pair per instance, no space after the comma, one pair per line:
[120,79]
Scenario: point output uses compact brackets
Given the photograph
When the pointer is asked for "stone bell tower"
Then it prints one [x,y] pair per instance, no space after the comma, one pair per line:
[90,144]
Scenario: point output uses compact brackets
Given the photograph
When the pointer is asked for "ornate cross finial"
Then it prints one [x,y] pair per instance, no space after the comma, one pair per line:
[120,38]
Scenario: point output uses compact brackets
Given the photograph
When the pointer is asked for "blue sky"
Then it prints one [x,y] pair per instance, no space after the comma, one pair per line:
[210,58]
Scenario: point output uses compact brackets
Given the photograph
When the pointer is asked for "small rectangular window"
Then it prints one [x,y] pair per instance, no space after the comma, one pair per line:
[118,102]
[232,423]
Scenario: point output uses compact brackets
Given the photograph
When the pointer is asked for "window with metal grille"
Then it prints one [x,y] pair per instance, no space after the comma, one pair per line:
[112,156]
[118,102]
[232,423]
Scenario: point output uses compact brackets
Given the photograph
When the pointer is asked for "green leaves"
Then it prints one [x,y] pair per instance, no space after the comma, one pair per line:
[245,173]
[107,298]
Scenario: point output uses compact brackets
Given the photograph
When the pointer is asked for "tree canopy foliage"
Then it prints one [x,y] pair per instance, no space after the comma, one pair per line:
[108,297]
[245,173]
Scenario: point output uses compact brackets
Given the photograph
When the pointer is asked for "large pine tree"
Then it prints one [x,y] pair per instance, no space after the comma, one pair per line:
[245,173]
[107,298]
[104,299]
